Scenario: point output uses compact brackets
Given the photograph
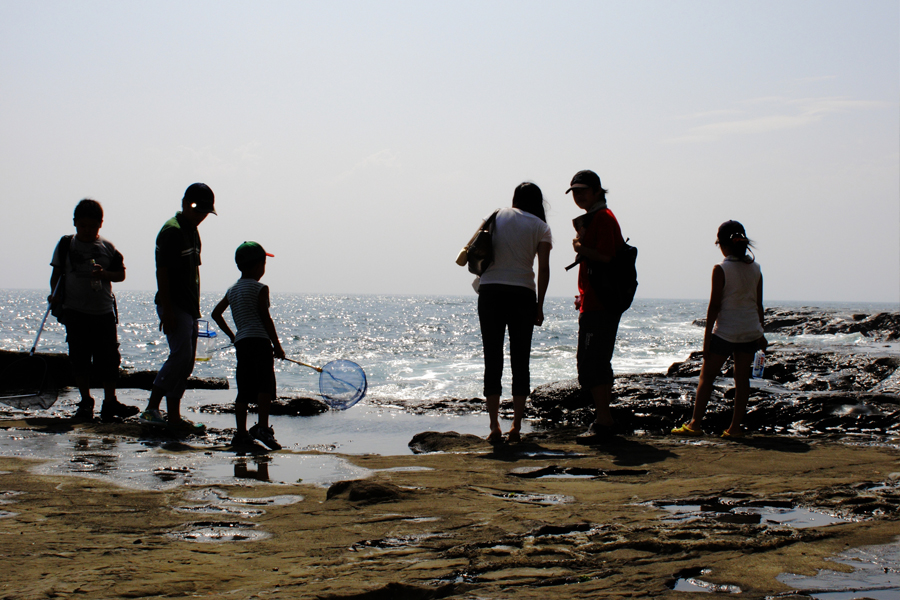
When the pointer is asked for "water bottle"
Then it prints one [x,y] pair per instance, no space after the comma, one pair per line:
[759,363]
[95,283]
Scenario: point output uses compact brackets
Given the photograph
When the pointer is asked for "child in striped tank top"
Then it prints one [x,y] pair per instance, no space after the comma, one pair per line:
[256,344]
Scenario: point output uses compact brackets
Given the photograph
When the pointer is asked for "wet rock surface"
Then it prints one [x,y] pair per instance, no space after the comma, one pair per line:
[817,321]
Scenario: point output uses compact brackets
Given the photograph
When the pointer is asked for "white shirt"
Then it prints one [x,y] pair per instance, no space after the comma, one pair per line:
[516,238]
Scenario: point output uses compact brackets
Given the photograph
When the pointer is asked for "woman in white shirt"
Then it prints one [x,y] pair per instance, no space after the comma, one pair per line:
[509,298]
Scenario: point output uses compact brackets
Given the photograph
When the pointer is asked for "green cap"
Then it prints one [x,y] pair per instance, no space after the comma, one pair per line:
[249,253]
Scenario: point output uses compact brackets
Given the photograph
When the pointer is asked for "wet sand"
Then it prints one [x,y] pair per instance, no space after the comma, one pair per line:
[469,522]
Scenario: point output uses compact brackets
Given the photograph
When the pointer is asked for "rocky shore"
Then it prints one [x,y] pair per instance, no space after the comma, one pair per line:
[641,517]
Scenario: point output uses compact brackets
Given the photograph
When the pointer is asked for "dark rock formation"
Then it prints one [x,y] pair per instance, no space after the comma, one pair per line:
[292,406]
[447,441]
[364,491]
[59,370]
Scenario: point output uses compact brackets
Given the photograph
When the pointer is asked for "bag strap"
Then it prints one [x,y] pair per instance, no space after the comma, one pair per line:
[486,224]
[64,243]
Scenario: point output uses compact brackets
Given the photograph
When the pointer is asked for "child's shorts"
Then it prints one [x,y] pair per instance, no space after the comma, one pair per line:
[255,369]
[722,347]
[93,339]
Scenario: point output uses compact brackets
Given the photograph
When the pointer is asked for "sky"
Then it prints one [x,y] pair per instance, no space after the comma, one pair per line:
[363,142]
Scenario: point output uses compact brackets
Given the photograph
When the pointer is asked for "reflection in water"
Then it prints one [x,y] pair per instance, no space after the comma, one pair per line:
[243,471]
[93,455]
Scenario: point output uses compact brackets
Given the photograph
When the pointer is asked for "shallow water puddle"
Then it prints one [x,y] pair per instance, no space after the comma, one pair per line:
[527,497]
[689,582]
[557,472]
[752,512]
[219,531]
[876,575]
[147,465]
[404,542]
[219,502]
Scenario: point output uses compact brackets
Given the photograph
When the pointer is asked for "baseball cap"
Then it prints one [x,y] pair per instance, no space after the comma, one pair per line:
[201,197]
[585,179]
[249,253]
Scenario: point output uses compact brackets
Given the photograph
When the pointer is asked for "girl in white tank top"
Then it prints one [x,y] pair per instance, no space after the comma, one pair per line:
[734,327]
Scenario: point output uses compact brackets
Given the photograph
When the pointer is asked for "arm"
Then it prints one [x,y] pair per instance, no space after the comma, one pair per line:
[268,323]
[715,303]
[113,276]
[164,296]
[763,342]
[590,253]
[543,280]
[54,279]
[218,315]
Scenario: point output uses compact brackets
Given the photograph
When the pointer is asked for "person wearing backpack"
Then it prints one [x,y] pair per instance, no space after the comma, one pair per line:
[509,299]
[84,266]
[597,241]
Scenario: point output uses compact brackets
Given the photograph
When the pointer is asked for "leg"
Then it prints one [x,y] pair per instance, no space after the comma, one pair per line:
[742,365]
[240,417]
[172,377]
[522,307]
[596,344]
[493,329]
[712,365]
[602,395]
[78,336]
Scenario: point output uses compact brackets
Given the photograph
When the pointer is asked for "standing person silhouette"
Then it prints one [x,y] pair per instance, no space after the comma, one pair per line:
[508,298]
[597,240]
[734,327]
[178,306]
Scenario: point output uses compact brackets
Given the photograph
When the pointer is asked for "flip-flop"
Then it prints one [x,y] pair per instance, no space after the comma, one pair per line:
[733,436]
[686,430]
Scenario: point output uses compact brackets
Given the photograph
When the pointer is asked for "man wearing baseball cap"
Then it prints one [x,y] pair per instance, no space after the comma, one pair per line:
[178,306]
[597,240]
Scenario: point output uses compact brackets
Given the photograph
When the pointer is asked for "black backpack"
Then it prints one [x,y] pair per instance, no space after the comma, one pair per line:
[615,282]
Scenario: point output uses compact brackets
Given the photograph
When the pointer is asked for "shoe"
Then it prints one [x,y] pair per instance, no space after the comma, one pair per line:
[85,412]
[266,435]
[242,439]
[687,431]
[733,436]
[151,417]
[596,432]
[185,427]
[113,410]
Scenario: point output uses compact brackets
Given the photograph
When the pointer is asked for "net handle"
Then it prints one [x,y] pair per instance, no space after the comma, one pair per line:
[44,320]
[302,364]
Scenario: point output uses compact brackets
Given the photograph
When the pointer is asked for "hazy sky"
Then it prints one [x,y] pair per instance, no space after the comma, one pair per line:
[362,142]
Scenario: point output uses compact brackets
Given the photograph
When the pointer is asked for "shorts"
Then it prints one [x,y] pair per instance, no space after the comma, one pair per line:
[596,342]
[93,342]
[255,369]
[721,347]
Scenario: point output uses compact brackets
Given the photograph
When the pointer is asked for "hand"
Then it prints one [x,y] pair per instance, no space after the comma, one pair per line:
[539,317]
[763,343]
[578,300]
[576,245]
[51,299]
[97,272]
[167,322]
[279,352]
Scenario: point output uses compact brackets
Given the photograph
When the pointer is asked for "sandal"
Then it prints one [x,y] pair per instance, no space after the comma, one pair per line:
[733,436]
[686,430]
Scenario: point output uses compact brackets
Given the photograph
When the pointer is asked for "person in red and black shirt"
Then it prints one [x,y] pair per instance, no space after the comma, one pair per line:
[597,240]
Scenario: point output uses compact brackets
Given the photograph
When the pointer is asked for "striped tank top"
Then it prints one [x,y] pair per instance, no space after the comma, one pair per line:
[243,298]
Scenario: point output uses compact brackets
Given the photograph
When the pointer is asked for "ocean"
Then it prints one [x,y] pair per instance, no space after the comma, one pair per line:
[411,347]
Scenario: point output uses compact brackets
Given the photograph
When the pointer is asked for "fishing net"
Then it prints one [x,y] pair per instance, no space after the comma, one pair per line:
[26,383]
[342,384]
